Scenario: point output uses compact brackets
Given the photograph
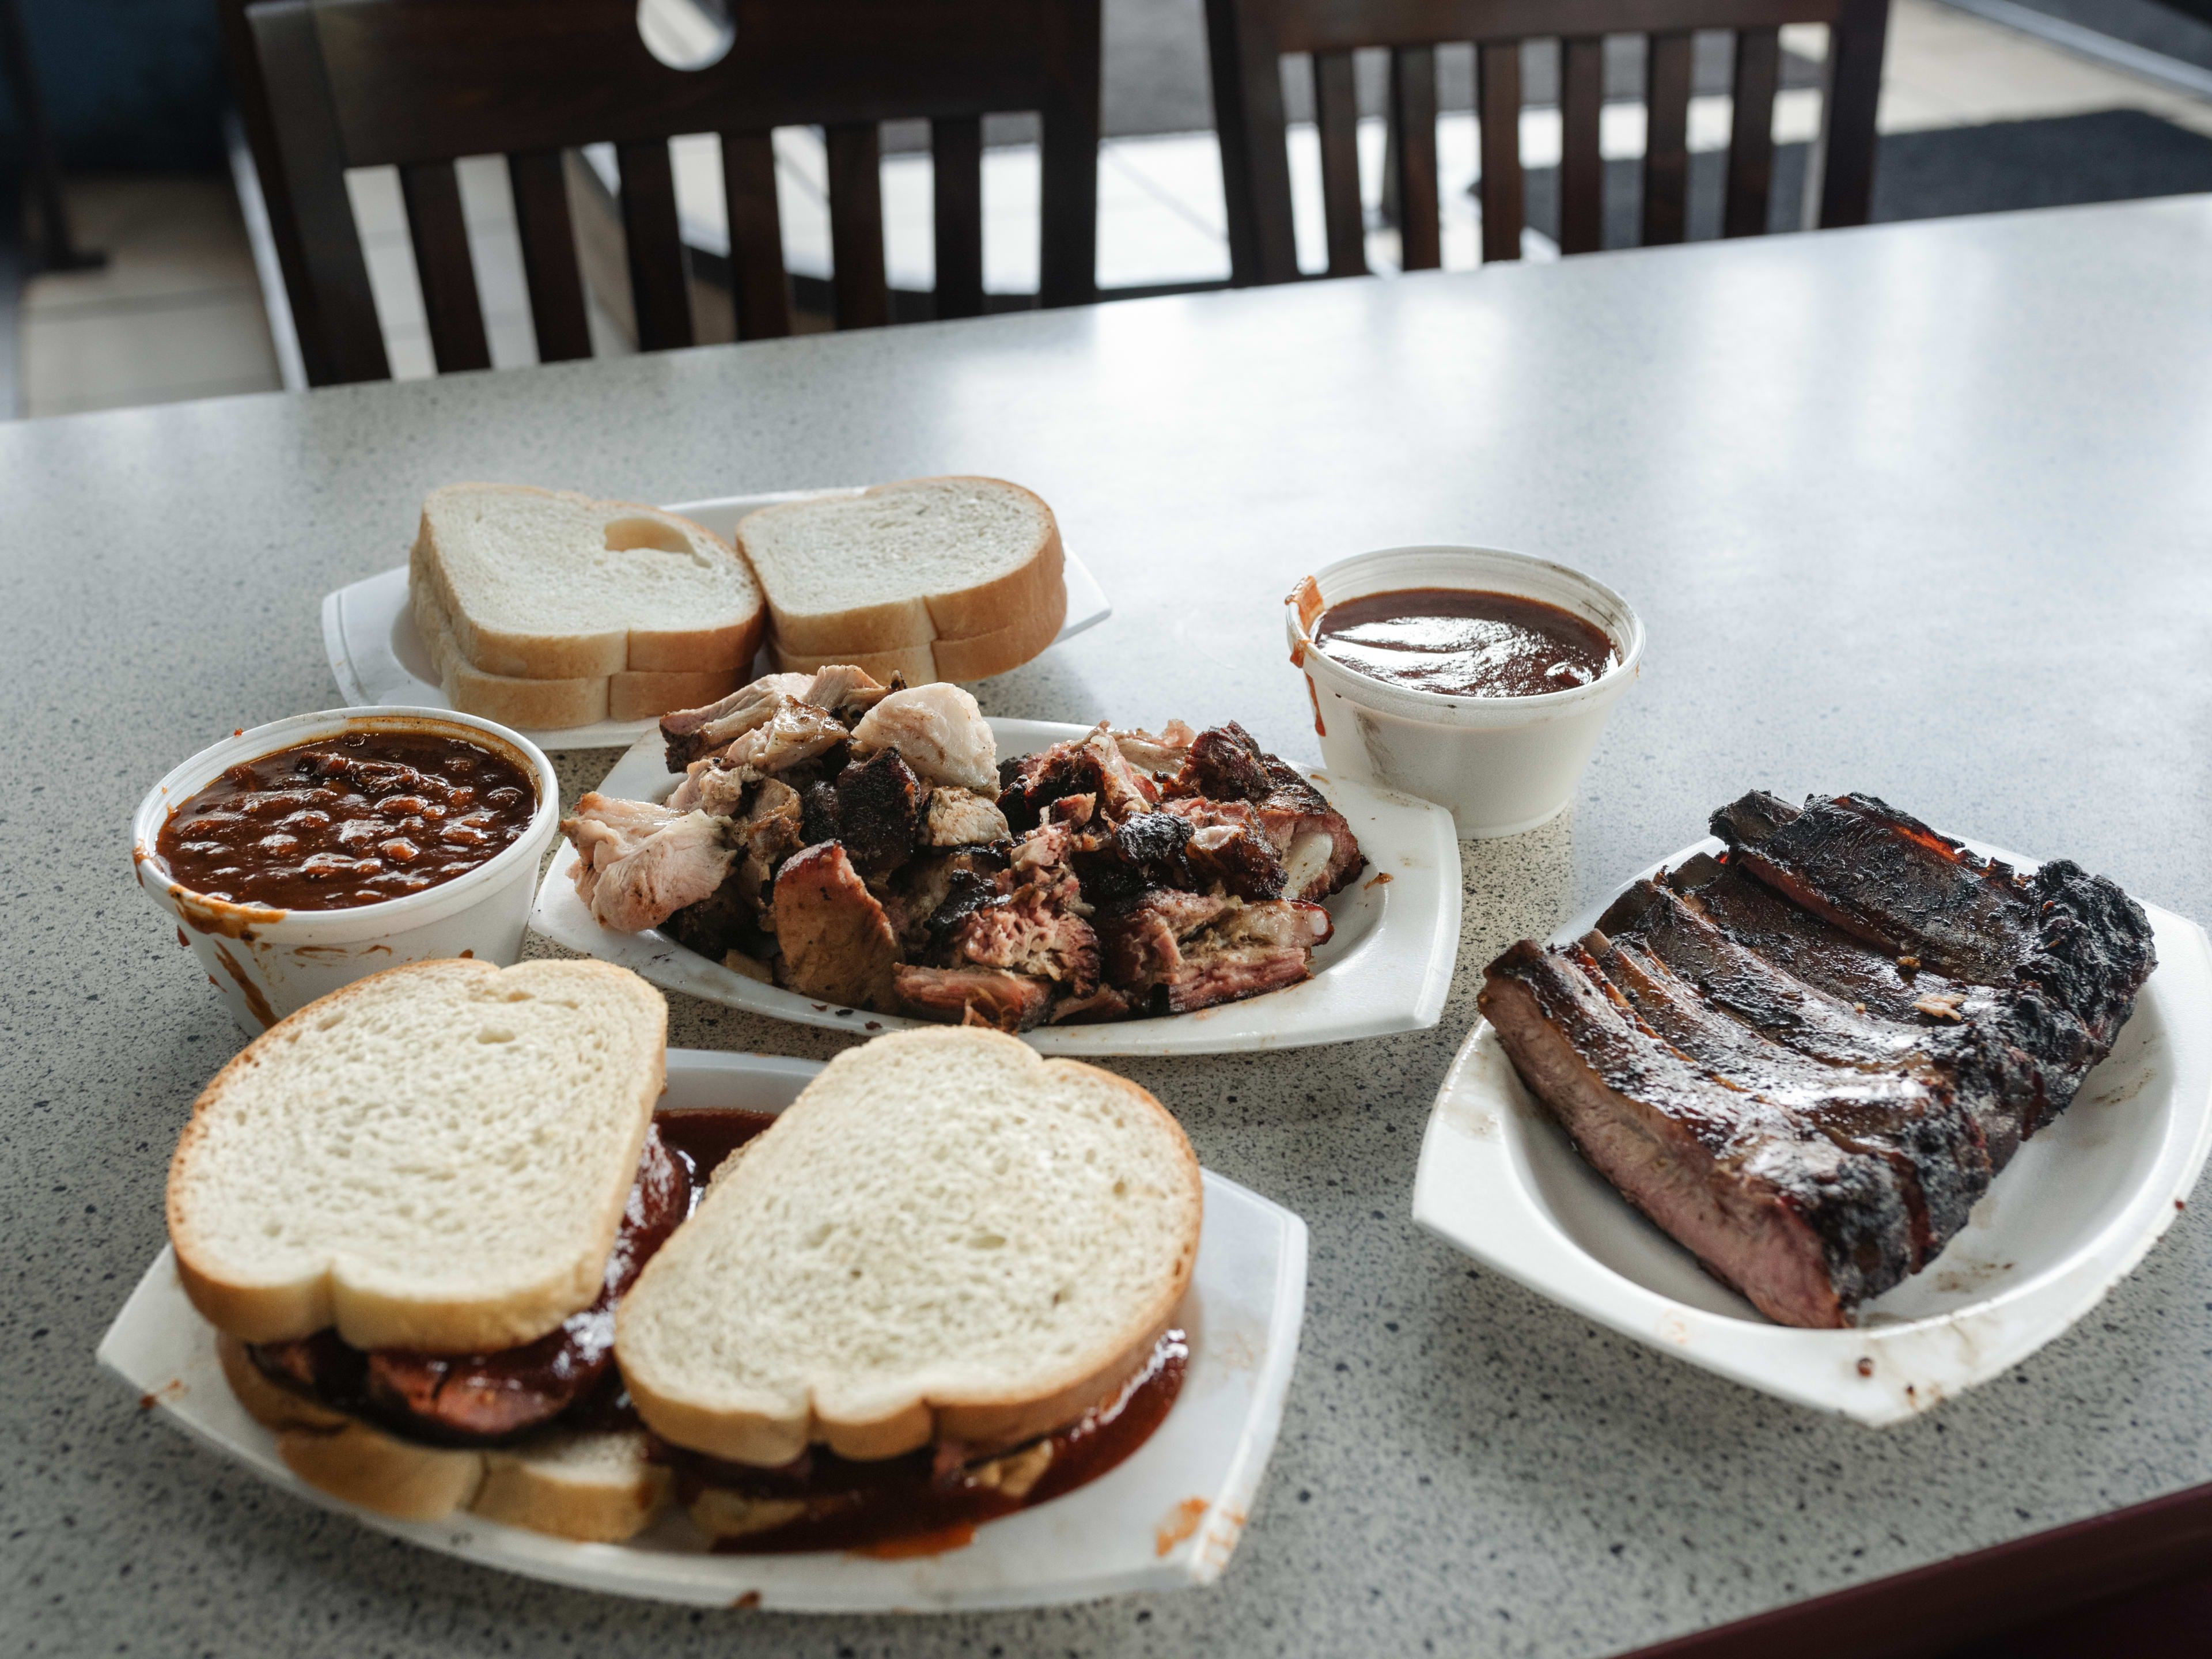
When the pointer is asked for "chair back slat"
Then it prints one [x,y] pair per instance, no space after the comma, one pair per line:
[759,283]
[1414,143]
[1336,114]
[1666,138]
[1751,135]
[1498,100]
[1250,38]
[660,285]
[539,183]
[1855,42]
[863,298]
[415,84]
[431,191]
[1067,246]
[955,151]
[1582,162]
[340,339]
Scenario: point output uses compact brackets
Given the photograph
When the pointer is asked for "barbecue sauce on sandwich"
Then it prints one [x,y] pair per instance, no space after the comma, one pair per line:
[566,1375]
[933,1498]
[1461,642]
[345,821]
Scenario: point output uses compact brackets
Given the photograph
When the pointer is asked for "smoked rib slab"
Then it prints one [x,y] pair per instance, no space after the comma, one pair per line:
[1807,1061]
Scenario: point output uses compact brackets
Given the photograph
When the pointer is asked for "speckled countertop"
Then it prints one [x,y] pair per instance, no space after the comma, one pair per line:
[1921,510]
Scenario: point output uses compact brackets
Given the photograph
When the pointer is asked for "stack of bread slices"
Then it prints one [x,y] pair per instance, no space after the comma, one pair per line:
[548,609]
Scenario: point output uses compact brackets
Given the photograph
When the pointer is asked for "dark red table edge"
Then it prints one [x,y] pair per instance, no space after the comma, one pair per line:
[1934,1609]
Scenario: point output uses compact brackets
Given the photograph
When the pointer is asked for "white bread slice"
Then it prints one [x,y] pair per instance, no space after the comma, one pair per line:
[554,705]
[544,584]
[944,1237]
[597,1487]
[900,565]
[434,1157]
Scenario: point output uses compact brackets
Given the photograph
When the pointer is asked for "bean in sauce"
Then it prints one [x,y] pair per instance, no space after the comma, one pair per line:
[350,820]
[1462,642]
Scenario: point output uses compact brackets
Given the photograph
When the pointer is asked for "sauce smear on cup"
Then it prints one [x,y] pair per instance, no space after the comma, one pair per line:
[1461,642]
[350,820]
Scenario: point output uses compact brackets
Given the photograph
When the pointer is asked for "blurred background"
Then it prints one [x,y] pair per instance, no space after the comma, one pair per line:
[136,267]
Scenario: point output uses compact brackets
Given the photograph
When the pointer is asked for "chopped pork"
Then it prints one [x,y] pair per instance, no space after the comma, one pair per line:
[939,730]
[637,864]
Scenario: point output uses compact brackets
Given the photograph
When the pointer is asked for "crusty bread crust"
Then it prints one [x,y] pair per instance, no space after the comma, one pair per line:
[727,646]
[988,1417]
[637,694]
[363,1465]
[265,1312]
[558,705]
[917,663]
[978,657]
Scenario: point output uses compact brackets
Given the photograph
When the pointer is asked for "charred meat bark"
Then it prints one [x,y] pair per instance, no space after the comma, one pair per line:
[2066,951]
[1848,983]
[879,807]
[1802,1227]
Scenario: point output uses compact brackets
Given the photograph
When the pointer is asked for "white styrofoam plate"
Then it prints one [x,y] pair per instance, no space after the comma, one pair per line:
[1167,1518]
[377,655]
[1386,968]
[2067,1219]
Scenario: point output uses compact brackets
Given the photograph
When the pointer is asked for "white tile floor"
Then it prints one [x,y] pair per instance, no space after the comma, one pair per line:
[177,315]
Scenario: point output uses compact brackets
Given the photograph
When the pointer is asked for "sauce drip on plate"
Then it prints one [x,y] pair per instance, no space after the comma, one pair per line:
[1463,642]
[350,820]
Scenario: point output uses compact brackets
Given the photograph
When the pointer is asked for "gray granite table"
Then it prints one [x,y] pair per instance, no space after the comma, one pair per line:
[1923,510]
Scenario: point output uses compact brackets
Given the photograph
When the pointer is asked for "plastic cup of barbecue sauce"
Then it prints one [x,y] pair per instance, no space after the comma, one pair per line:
[312,852]
[1457,678]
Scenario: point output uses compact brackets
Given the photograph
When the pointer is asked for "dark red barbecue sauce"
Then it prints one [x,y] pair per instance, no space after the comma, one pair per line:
[928,1499]
[1461,642]
[345,821]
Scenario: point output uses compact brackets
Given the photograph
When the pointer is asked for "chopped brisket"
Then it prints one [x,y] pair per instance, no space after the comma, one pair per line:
[1229,846]
[1320,853]
[1224,764]
[879,806]
[1142,852]
[835,941]
[1030,932]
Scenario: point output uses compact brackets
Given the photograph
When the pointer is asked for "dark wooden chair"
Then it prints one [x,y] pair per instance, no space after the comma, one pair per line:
[416,83]
[1250,38]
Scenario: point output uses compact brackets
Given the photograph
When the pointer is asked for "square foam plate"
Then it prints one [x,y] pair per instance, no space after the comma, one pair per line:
[1386,968]
[2065,1221]
[377,656]
[1167,1518]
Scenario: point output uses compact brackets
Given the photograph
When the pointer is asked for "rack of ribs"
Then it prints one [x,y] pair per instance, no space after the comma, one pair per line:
[1807,1059]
